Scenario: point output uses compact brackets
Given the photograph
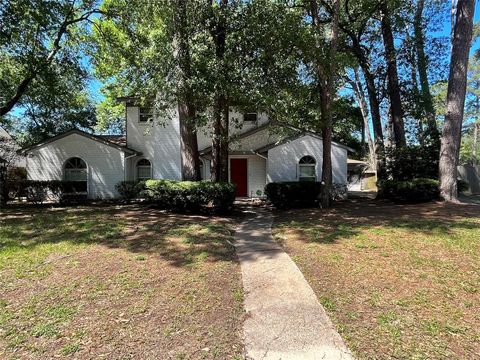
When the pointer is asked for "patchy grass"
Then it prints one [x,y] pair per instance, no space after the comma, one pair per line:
[118,282]
[398,281]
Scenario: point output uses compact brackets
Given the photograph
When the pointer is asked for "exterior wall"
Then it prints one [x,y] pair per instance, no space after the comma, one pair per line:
[236,126]
[282,164]
[159,141]
[256,173]
[105,164]
[254,141]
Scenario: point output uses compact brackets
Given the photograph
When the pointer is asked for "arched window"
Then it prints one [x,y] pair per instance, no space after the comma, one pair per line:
[144,169]
[306,168]
[75,169]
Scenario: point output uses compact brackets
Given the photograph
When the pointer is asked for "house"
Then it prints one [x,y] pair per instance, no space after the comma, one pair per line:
[151,150]
[361,176]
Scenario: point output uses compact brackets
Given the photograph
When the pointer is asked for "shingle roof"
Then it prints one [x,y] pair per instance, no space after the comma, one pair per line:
[109,140]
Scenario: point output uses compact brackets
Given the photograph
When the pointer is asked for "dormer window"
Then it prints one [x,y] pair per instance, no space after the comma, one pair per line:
[146,114]
[250,117]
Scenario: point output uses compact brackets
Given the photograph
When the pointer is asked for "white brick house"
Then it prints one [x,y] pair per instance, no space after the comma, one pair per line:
[151,149]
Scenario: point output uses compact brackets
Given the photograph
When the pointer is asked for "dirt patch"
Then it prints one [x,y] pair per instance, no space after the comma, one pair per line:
[398,281]
[118,282]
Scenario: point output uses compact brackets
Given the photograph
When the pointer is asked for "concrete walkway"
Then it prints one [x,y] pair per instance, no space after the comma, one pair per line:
[284,318]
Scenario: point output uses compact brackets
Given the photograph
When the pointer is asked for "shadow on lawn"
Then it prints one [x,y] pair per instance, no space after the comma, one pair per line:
[351,218]
[179,239]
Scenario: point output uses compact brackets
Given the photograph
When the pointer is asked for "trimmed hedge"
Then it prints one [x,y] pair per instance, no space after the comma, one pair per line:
[130,190]
[285,195]
[37,191]
[190,196]
[410,191]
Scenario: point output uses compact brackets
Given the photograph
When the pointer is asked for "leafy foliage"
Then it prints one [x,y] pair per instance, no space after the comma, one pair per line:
[411,162]
[41,63]
[37,191]
[130,190]
[410,191]
[301,194]
[190,196]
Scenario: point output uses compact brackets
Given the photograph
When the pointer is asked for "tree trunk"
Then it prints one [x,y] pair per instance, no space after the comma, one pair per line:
[326,84]
[188,141]
[392,75]
[457,85]
[220,139]
[360,96]
[186,109]
[372,92]
[432,134]
[475,144]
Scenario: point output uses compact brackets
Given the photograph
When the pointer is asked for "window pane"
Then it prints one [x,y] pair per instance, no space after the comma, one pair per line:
[306,171]
[146,114]
[75,175]
[143,172]
[250,117]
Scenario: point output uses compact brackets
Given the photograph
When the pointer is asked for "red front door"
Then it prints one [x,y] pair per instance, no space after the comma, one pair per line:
[238,176]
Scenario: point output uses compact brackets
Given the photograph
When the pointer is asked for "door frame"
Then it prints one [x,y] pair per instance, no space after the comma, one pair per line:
[230,157]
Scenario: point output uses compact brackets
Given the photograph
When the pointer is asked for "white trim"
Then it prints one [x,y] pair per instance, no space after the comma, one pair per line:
[87,170]
[314,165]
[136,168]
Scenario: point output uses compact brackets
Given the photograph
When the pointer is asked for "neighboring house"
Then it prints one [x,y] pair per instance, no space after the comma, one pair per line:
[151,150]
[361,176]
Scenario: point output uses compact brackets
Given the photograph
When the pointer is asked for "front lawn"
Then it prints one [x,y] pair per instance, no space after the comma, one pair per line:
[118,282]
[399,282]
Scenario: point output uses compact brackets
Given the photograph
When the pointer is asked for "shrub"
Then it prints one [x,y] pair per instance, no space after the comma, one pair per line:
[300,193]
[198,196]
[37,191]
[130,190]
[410,191]
[411,162]
[462,185]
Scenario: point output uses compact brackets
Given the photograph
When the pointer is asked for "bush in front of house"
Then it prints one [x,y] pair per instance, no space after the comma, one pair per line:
[410,191]
[284,195]
[38,191]
[190,196]
[130,190]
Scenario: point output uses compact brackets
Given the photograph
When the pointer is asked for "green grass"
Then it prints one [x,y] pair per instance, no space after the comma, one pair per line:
[77,281]
[398,281]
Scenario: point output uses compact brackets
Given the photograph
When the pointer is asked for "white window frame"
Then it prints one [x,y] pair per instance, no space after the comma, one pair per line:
[65,170]
[148,114]
[143,166]
[307,165]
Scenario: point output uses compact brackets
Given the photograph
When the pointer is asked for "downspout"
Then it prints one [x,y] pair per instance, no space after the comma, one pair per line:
[125,166]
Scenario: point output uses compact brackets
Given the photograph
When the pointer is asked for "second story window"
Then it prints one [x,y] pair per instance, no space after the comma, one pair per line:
[146,114]
[250,117]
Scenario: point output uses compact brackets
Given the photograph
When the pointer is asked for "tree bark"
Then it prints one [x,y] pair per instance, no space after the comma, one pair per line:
[326,85]
[360,96]
[457,85]
[186,109]
[475,144]
[220,138]
[392,75]
[432,134]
